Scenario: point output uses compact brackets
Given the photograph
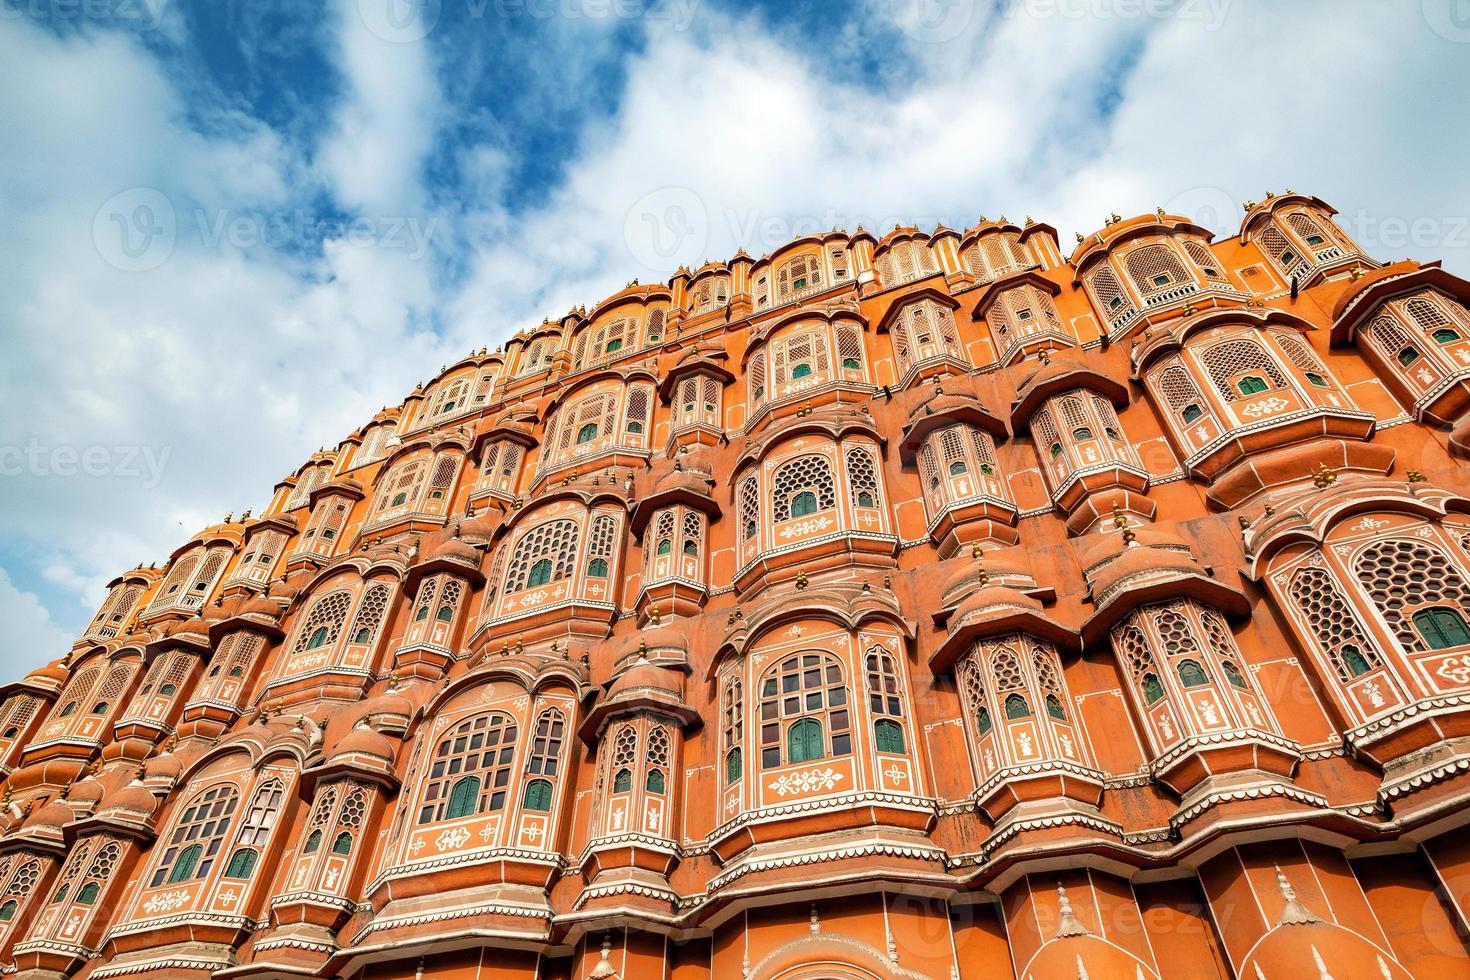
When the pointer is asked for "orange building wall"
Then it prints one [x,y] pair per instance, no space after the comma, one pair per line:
[934,605]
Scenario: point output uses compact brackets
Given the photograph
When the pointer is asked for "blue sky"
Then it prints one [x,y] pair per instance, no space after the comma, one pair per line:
[235,230]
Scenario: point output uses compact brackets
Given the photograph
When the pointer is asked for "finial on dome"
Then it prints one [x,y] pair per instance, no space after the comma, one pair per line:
[1325,476]
[801,580]
[1294,913]
[1068,924]
[1079,237]
[1120,520]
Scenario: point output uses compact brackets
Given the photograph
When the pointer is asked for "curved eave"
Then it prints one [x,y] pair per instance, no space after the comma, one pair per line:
[1001,621]
[701,365]
[1030,400]
[993,290]
[791,609]
[633,702]
[1164,340]
[918,429]
[644,509]
[1172,584]
[1357,305]
[895,310]
[1270,205]
[249,622]
[452,566]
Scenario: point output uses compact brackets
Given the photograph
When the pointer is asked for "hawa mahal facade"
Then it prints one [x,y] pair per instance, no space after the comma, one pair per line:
[938,605]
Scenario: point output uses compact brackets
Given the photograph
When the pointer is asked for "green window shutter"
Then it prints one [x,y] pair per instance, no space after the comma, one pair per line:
[242,862]
[888,736]
[623,781]
[184,866]
[463,798]
[343,843]
[804,741]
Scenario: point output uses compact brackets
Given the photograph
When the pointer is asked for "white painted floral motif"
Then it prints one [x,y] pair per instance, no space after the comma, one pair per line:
[1456,670]
[452,839]
[1067,748]
[1023,741]
[1373,693]
[806,782]
[167,902]
[1212,716]
[806,527]
[1268,406]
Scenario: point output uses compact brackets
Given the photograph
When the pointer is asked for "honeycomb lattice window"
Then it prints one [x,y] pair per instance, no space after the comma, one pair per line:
[1044,666]
[1005,667]
[1108,292]
[1205,260]
[1391,339]
[972,684]
[750,508]
[1156,268]
[756,374]
[323,624]
[602,537]
[1332,622]
[1175,634]
[624,756]
[862,478]
[1401,576]
[1302,357]
[1312,234]
[554,543]
[1177,388]
[804,475]
[354,811]
[370,613]
[1226,361]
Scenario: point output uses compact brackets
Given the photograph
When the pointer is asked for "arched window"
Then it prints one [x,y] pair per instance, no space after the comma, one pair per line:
[197,836]
[483,746]
[885,696]
[655,782]
[1139,659]
[888,736]
[624,755]
[547,553]
[1332,622]
[370,613]
[1241,367]
[1233,675]
[665,546]
[323,621]
[1191,674]
[862,478]
[749,508]
[8,910]
[734,729]
[1016,707]
[255,829]
[313,842]
[1441,628]
[803,486]
[1155,268]
[537,796]
[587,433]
[242,862]
[343,843]
[1400,576]
[546,743]
[597,568]
[1054,708]
[806,687]
[804,741]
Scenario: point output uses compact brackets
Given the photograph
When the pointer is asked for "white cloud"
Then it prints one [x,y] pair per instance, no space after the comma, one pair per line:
[31,638]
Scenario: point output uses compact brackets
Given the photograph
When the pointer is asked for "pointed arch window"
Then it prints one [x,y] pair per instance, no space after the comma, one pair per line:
[546,554]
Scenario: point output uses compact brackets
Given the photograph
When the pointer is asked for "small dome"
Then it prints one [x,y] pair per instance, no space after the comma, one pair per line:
[362,740]
[165,765]
[188,627]
[1156,563]
[132,798]
[47,675]
[644,676]
[260,606]
[216,611]
[1460,439]
[86,793]
[54,814]
[992,598]
[454,549]
[962,575]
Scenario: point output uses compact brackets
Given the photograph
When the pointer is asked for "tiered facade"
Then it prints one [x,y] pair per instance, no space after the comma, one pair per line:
[939,606]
